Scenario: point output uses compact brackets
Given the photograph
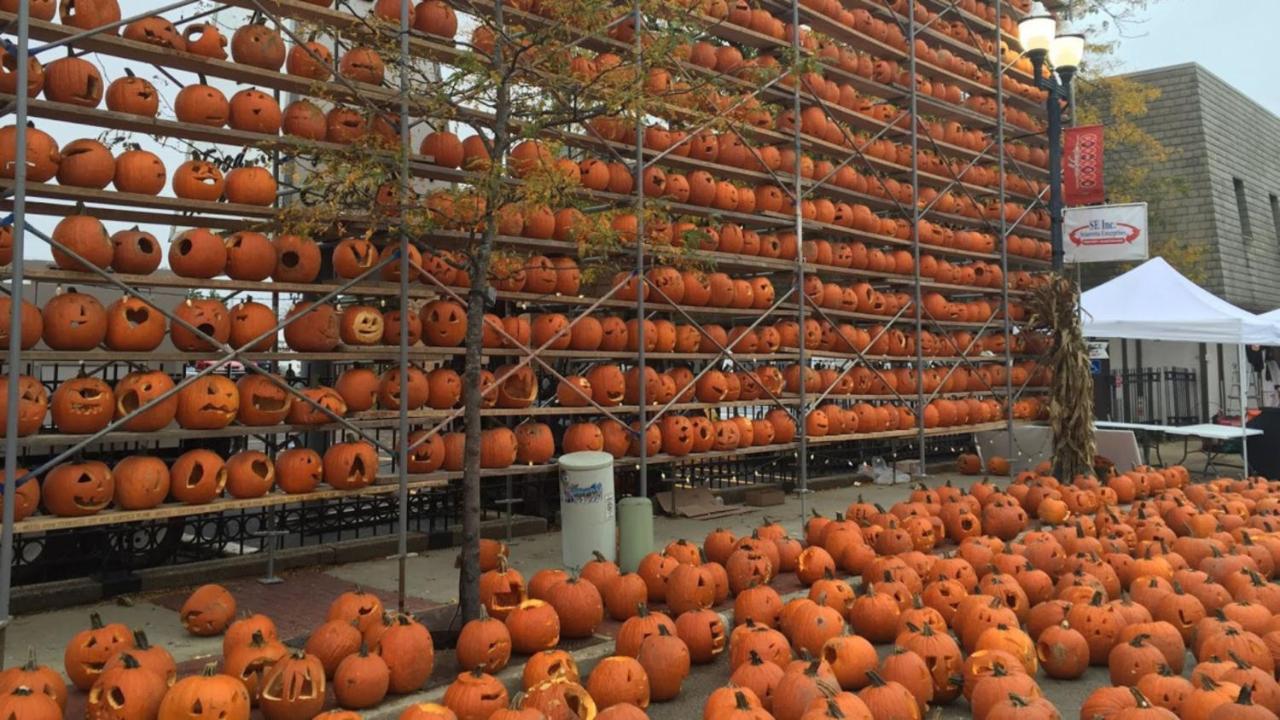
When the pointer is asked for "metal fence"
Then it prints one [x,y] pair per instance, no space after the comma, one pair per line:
[1157,396]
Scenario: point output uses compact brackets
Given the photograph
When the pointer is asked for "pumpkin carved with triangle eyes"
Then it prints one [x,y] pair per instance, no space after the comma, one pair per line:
[78,489]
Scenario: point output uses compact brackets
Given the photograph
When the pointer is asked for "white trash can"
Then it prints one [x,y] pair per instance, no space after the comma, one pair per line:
[588,518]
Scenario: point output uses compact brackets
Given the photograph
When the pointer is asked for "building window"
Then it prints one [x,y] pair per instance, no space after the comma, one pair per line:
[1275,215]
[1242,204]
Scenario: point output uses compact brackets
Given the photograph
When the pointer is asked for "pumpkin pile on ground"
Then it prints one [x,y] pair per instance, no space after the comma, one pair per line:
[980,594]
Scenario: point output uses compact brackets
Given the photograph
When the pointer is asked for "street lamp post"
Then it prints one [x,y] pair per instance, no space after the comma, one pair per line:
[1041,41]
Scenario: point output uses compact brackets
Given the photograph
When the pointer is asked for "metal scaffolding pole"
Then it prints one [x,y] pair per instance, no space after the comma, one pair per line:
[916,216]
[402,426]
[640,286]
[1004,240]
[802,447]
[13,366]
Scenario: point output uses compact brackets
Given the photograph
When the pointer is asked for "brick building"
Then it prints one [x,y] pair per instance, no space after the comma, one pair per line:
[1225,152]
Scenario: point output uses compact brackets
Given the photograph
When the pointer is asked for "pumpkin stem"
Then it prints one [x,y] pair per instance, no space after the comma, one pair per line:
[95,621]
[833,710]
[1140,698]
[1239,661]
[516,701]
[129,661]
[642,610]
[875,678]
[1246,694]
[1017,700]
[1097,599]
[599,558]
[740,701]
[31,659]
[210,670]
[663,631]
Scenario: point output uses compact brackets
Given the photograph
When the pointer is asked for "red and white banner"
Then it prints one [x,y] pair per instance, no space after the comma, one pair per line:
[1082,182]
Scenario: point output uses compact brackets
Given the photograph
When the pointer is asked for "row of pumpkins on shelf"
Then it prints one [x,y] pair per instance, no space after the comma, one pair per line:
[197,477]
[87,404]
[73,321]
[832,50]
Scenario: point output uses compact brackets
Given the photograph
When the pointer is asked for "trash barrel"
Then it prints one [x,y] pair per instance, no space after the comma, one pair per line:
[588,518]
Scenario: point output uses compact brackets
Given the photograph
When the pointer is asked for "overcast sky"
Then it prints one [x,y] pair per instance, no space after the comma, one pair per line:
[1232,39]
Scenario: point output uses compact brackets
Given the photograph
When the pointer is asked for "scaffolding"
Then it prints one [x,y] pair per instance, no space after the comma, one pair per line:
[906,222]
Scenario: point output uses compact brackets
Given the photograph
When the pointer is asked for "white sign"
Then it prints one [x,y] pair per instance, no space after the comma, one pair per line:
[1098,349]
[1105,233]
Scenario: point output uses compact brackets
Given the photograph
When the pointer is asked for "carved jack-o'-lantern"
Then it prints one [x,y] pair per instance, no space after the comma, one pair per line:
[263,400]
[302,412]
[350,465]
[135,251]
[74,321]
[78,489]
[361,325]
[259,46]
[82,405]
[255,111]
[252,327]
[206,40]
[210,402]
[519,389]
[207,315]
[30,323]
[297,259]
[250,185]
[138,389]
[198,253]
[444,323]
[198,180]
[201,105]
[392,392]
[197,477]
[33,405]
[250,256]
[298,470]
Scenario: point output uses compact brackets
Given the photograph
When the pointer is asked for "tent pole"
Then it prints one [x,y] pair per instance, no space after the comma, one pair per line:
[1244,411]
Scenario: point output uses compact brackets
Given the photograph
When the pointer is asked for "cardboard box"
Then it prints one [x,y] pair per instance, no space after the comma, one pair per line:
[765,497]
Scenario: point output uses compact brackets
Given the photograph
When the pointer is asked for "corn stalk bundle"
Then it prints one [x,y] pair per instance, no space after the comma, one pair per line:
[1054,306]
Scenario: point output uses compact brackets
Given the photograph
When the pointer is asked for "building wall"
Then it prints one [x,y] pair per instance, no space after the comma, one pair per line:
[1216,136]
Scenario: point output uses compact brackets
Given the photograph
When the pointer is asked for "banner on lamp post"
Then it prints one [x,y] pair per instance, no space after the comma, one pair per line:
[1105,233]
[1082,180]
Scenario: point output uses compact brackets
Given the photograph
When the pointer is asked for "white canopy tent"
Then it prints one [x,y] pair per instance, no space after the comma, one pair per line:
[1155,302]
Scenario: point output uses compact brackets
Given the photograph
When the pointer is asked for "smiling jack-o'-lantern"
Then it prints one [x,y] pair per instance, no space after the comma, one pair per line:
[82,405]
[414,393]
[350,465]
[210,402]
[74,321]
[33,404]
[197,477]
[361,325]
[444,323]
[78,489]
[608,385]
